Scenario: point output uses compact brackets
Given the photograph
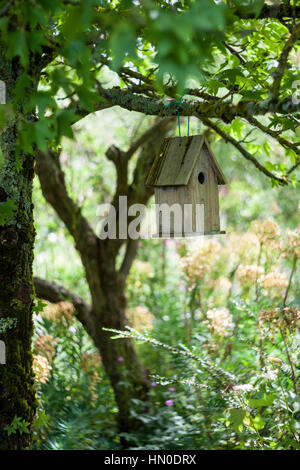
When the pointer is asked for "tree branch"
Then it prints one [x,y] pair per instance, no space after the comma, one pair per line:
[151,132]
[244,152]
[120,157]
[55,293]
[294,146]
[227,111]
[278,74]
[293,167]
[120,160]
[277,11]
[55,192]
[137,191]
[131,252]
[6,7]
[203,110]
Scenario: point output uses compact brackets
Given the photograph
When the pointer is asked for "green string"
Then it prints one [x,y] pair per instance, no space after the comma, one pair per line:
[178,103]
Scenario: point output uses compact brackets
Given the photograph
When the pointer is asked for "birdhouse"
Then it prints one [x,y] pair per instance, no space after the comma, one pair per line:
[186,173]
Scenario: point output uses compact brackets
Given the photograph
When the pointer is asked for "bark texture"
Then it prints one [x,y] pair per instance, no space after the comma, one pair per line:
[17,393]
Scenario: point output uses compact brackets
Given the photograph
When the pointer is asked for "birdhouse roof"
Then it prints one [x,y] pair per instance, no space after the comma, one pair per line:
[176,159]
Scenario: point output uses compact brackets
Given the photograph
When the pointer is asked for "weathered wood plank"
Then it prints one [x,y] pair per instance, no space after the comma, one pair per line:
[175,162]
[206,193]
[219,173]
[158,163]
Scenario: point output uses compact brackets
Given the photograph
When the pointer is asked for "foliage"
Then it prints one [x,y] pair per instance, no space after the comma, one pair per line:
[214,385]
[164,284]
[7,323]
[6,211]
[244,372]
[76,405]
[17,425]
[223,52]
[228,310]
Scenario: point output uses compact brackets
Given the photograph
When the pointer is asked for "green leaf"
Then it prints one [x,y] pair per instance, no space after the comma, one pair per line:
[214,85]
[256,423]
[270,166]
[230,74]
[18,46]
[266,400]
[41,420]
[6,113]
[64,122]
[7,210]
[43,100]
[17,425]
[122,42]
[236,417]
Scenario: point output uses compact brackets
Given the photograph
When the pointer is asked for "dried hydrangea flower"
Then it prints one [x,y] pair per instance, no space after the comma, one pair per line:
[46,346]
[265,230]
[41,368]
[62,311]
[276,319]
[140,317]
[274,280]
[248,273]
[219,321]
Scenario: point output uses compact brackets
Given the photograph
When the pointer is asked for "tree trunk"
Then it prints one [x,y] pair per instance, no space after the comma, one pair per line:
[17,393]
[128,376]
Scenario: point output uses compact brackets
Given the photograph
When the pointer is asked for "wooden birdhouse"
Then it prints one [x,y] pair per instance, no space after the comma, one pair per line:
[186,173]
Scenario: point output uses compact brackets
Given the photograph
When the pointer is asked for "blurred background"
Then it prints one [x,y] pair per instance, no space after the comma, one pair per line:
[215,296]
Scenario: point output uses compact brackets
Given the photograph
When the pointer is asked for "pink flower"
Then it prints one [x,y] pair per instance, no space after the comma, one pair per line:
[171,389]
[154,384]
[169,402]
[120,359]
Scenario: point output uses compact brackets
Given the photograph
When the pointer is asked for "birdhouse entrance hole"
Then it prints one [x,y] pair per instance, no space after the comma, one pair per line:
[201,177]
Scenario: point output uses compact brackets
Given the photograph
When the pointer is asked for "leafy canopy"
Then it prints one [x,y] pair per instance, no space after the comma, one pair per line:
[238,59]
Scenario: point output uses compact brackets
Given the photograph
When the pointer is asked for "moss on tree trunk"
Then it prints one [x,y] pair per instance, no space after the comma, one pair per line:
[17,393]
